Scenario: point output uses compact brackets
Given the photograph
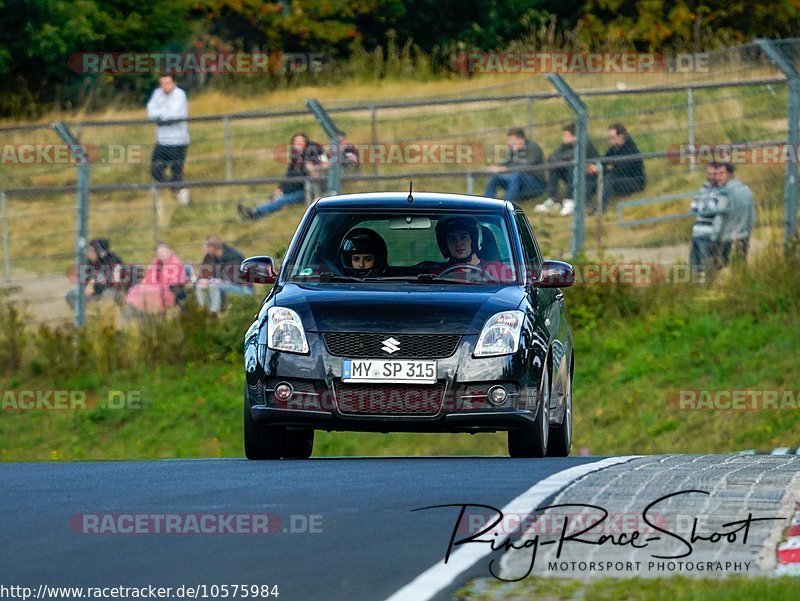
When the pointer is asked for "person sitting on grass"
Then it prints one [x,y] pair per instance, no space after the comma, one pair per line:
[219,275]
[514,174]
[97,277]
[162,286]
[622,177]
[304,160]
[555,175]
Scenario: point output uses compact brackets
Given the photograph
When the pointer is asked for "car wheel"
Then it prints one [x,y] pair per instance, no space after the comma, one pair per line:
[261,442]
[561,436]
[532,441]
[298,444]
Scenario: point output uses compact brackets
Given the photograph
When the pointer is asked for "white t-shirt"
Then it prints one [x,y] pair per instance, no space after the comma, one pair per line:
[164,107]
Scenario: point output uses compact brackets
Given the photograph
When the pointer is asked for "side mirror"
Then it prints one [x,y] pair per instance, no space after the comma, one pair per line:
[556,274]
[258,270]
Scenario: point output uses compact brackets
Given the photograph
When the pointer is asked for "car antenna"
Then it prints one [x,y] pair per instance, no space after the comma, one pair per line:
[410,198]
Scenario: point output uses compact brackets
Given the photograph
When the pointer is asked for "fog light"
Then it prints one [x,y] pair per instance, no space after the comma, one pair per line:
[497,395]
[284,391]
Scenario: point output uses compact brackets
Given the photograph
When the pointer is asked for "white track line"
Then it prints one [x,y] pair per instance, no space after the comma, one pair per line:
[440,576]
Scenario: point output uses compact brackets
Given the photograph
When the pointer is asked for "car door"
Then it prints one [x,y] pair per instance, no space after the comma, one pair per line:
[548,303]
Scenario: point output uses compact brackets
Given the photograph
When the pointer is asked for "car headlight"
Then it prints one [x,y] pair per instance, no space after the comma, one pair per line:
[285,331]
[500,334]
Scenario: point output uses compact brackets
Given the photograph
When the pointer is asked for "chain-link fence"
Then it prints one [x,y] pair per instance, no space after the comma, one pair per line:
[681,113]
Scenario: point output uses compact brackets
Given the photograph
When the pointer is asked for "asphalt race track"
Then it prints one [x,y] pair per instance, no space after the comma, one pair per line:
[371,543]
[365,542]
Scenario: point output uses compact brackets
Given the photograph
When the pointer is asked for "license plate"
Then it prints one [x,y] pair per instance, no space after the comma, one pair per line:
[381,370]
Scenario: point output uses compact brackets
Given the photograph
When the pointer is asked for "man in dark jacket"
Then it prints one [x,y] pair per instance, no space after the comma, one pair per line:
[98,276]
[555,175]
[304,160]
[622,177]
[218,275]
[512,175]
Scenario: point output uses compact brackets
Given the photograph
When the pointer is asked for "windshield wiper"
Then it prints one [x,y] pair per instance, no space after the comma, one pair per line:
[329,276]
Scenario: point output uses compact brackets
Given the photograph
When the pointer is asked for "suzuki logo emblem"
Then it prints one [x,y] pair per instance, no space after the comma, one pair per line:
[390,345]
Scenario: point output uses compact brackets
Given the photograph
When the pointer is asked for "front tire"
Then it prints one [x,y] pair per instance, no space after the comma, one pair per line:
[532,441]
[298,444]
[261,442]
[561,436]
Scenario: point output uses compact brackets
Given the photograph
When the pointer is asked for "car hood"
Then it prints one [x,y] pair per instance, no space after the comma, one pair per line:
[422,309]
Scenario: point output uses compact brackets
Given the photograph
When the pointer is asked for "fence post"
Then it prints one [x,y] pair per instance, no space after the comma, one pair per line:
[690,118]
[226,121]
[78,152]
[373,134]
[574,102]
[154,212]
[6,256]
[530,118]
[786,65]
[599,204]
[334,137]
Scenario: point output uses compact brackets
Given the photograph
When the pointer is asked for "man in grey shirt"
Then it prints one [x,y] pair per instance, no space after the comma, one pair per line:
[735,215]
[167,105]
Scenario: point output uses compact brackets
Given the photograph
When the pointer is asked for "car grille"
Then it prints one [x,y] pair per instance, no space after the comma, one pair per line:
[379,399]
[412,346]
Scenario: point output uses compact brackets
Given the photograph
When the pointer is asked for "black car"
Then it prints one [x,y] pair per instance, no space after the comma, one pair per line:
[431,313]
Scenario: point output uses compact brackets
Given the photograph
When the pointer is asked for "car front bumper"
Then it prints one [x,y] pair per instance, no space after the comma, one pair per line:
[462,385]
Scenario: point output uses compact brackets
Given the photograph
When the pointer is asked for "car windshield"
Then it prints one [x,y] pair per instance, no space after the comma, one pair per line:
[386,246]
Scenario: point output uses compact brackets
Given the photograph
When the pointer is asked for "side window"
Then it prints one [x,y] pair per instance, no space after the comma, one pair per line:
[529,248]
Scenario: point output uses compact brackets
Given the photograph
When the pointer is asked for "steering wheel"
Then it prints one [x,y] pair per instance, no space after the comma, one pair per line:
[469,267]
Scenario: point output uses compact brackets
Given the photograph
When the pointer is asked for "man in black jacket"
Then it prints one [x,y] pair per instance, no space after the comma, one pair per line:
[555,175]
[621,177]
[218,276]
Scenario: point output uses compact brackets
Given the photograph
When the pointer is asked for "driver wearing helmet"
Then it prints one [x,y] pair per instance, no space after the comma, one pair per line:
[459,242]
[363,253]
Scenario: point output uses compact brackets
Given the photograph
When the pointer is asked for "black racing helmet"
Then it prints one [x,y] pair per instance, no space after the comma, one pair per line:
[457,224]
[362,240]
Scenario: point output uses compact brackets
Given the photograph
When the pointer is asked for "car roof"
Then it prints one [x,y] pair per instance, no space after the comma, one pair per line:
[422,200]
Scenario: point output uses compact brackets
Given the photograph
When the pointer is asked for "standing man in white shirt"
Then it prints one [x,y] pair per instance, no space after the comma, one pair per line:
[166,106]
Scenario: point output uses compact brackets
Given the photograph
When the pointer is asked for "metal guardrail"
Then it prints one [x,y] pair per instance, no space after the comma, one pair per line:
[622,205]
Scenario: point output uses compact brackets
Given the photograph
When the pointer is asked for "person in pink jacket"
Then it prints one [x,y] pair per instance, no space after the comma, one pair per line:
[156,292]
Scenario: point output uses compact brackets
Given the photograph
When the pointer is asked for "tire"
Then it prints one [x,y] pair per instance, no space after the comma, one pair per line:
[560,440]
[298,444]
[532,441]
[261,442]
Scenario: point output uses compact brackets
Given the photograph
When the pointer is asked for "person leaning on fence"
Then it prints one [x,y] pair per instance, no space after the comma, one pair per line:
[167,104]
[162,287]
[511,176]
[97,276]
[621,177]
[704,206]
[735,216]
[218,276]
[304,158]
[555,175]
